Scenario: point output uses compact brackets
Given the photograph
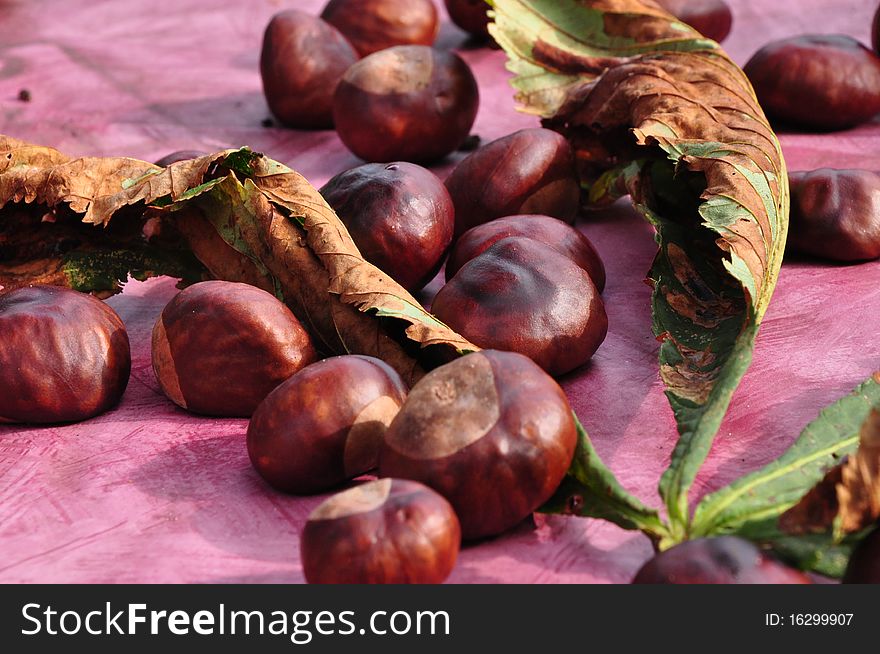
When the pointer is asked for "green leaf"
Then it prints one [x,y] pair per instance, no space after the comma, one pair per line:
[751,506]
[591,490]
[816,552]
[226,204]
[613,184]
[650,105]
[241,161]
[767,493]
[190,193]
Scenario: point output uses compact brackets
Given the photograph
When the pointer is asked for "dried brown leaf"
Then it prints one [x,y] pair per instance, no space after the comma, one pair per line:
[848,497]
[244,218]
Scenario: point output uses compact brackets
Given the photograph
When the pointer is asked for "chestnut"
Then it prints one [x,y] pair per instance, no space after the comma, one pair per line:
[711,18]
[302,60]
[389,531]
[325,424]
[179,155]
[470,15]
[409,103]
[523,296]
[373,25]
[400,216]
[220,347]
[64,356]
[720,560]
[864,562]
[491,432]
[531,171]
[824,82]
[563,238]
[835,214]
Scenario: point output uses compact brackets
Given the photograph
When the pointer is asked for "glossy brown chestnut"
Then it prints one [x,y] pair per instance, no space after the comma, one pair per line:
[325,424]
[179,155]
[864,563]
[400,216]
[220,347]
[470,15]
[302,61]
[491,432]
[389,531]
[64,355]
[408,103]
[721,560]
[562,237]
[817,81]
[523,296]
[373,25]
[835,214]
[528,172]
[711,18]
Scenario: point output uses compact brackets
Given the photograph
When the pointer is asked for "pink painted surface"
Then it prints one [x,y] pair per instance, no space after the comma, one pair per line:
[148,493]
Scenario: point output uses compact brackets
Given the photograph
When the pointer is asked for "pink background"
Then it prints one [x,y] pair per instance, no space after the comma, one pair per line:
[149,493]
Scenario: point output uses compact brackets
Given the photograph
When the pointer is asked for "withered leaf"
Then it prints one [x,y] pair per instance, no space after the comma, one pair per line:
[657,111]
[847,500]
[751,506]
[236,215]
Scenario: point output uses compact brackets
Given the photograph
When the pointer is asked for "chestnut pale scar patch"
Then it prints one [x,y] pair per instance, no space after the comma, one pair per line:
[405,71]
[163,365]
[360,499]
[366,433]
[451,407]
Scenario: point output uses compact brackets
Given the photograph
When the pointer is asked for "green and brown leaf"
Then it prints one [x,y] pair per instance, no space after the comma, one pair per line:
[808,502]
[236,215]
[847,500]
[657,111]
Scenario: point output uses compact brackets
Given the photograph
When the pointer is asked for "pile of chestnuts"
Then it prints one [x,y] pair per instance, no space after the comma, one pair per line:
[524,283]
[521,282]
[825,82]
[470,451]
[367,68]
[480,443]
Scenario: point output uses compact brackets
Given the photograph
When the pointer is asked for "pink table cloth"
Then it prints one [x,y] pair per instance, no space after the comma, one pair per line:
[149,493]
